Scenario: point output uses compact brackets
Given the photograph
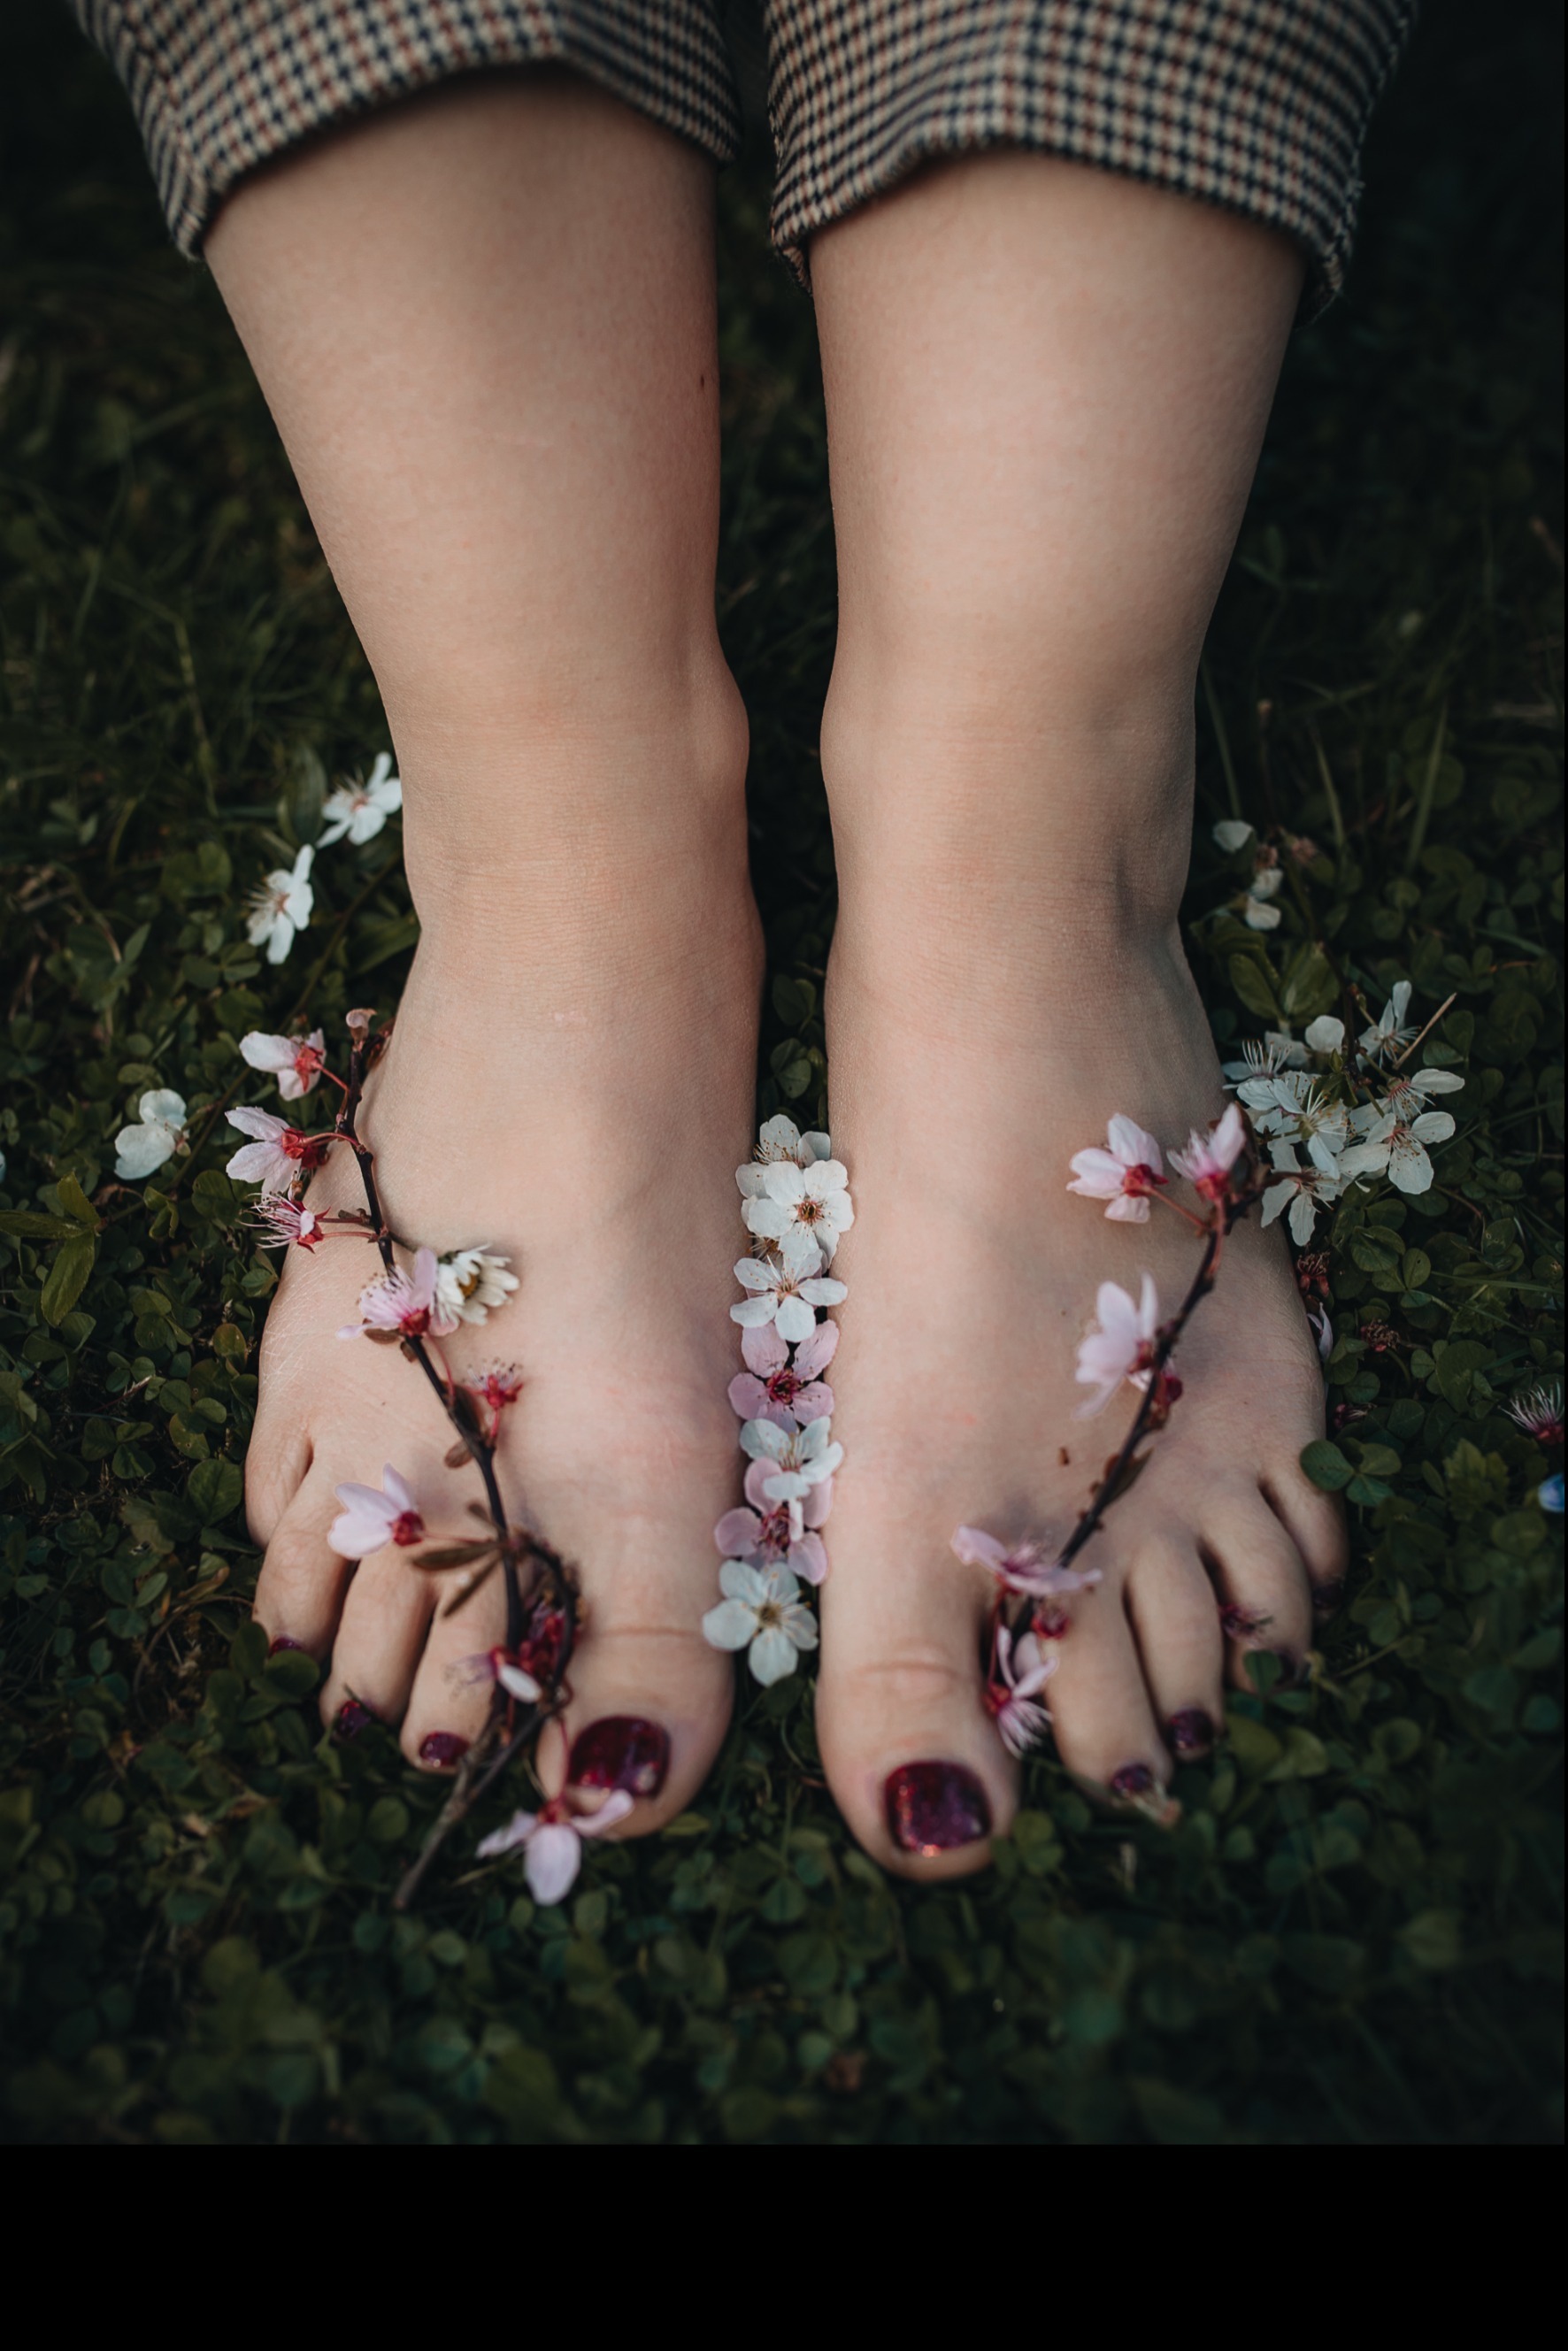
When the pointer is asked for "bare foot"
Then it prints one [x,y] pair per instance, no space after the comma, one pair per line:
[963,1083]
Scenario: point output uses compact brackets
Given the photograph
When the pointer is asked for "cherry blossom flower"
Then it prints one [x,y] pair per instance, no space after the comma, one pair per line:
[1323,1330]
[811,1200]
[1019,1673]
[405,1304]
[1209,1158]
[285,1224]
[1277,1050]
[1301,1190]
[774,1388]
[1257,911]
[298,1062]
[281,907]
[1406,1094]
[785,1290]
[781,1534]
[1021,1566]
[1124,1173]
[500,1665]
[779,1139]
[797,1458]
[1384,1039]
[1119,1344]
[496,1387]
[762,1612]
[1398,1147]
[1539,1411]
[471,1281]
[361,810]
[1232,833]
[1293,1105]
[140,1150]
[1326,1034]
[374,1516]
[552,1841]
[280,1156]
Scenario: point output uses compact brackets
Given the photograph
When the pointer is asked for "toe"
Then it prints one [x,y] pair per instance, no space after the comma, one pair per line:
[1315,1523]
[1263,1582]
[1100,1706]
[453,1689]
[380,1640]
[648,1713]
[1171,1604]
[299,1592]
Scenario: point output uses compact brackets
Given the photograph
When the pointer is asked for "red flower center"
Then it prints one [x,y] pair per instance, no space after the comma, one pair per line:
[1140,1179]
[784,1386]
[311,1150]
[407,1528]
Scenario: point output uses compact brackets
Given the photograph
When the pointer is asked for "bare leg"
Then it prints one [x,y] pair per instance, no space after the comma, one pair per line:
[485,321]
[1046,391]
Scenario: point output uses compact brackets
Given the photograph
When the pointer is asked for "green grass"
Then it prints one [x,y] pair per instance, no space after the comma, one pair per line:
[1352,1936]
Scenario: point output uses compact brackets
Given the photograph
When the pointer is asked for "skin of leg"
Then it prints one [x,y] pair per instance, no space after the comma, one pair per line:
[1046,388]
[485,322]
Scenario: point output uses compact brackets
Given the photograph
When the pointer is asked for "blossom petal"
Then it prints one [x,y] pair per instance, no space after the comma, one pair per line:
[137,1150]
[737,1533]
[553,1857]
[164,1105]
[794,1317]
[773,1654]
[615,1807]
[730,1626]
[517,1832]
[738,1580]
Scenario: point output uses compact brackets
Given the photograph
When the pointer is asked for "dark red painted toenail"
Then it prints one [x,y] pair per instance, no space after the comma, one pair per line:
[442,1747]
[621,1751]
[352,1717]
[1326,1597]
[1191,1732]
[276,1648]
[1133,1780]
[931,1807]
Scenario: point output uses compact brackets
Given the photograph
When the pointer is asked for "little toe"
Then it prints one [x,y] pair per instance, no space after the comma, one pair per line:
[648,1714]
[379,1640]
[1171,1602]
[299,1592]
[1315,1523]
[1265,1597]
[1100,1706]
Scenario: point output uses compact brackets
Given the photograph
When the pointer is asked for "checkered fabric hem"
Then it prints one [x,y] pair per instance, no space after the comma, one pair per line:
[1258,105]
[220,86]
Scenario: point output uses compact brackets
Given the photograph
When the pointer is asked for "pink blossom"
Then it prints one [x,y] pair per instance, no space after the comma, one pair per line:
[1021,1566]
[774,1388]
[296,1061]
[496,1386]
[375,1516]
[780,1533]
[552,1841]
[1017,1675]
[1209,1158]
[1125,1173]
[280,1156]
[406,1304]
[1120,1344]
[283,1221]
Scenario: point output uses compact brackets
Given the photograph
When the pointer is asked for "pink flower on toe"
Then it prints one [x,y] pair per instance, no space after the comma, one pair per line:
[1120,1345]
[1021,1566]
[1126,1174]
[783,1533]
[1209,1158]
[1019,1673]
[374,1516]
[774,1388]
[404,1305]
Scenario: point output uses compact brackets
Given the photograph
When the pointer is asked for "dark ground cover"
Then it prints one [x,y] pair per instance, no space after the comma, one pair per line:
[1352,1935]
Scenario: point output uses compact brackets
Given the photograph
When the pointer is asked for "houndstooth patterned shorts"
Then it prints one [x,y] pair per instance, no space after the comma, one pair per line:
[1260,105]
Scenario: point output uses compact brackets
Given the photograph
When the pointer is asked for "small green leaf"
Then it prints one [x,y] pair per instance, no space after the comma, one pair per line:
[1326,1465]
[68,1277]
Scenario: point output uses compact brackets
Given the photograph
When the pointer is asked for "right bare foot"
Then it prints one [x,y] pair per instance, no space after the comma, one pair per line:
[570,1083]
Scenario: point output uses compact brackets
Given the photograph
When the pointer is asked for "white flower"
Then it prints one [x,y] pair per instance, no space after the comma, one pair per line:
[1022,1671]
[1231,834]
[1124,1173]
[801,1458]
[279,1155]
[281,907]
[762,1612]
[785,1290]
[1291,1105]
[778,1140]
[1120,1344]
[552,1841]
[1407,1092]
[1279,1051]
[361,810]
[812,1200]
[1326,1034]
[1257,912]
[374,1516]
[471,1281]
[139,1150]
[298,1062]
[1301,1190]
[1399,1147]
[1387,1035]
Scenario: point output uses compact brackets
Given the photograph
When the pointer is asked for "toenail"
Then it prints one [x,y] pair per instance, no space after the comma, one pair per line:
[1326,1597]
[1191,1732]
[621,1751]
[275,1648]
[443,1747]
[352,1719]
[1133,1780]
[931,1807]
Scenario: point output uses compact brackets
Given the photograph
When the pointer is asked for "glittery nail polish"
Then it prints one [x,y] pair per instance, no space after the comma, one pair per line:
[352,1717]
[1191,1733]
[442,1747]
[620,1750]
[1133,1780]
[931,1807]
